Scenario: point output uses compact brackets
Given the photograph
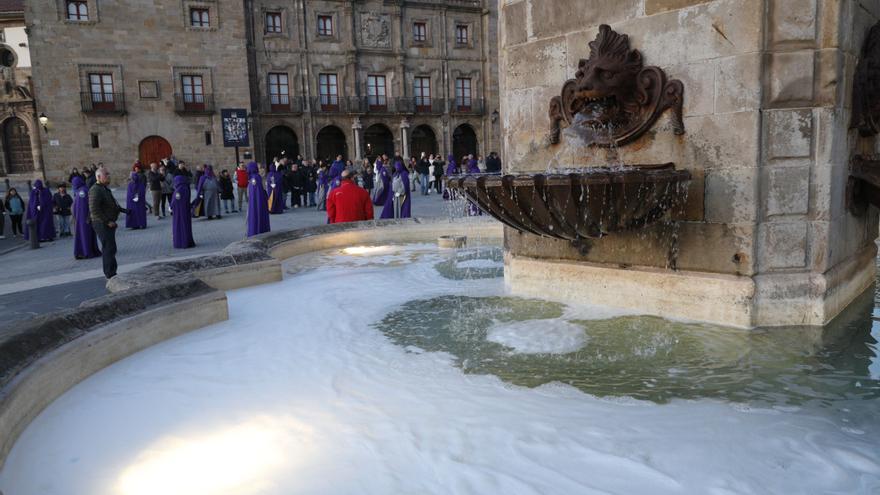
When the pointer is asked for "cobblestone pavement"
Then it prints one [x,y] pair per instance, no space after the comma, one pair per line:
[25,269]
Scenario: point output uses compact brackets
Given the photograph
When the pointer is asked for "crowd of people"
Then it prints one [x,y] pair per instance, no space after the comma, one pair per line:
[347,191]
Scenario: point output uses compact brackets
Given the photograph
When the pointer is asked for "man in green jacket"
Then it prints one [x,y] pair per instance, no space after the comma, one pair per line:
[103,212]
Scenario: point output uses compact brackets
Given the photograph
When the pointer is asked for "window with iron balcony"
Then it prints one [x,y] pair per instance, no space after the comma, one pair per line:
[329,92]
[463,100]
[376,94]
[101,92]
[193,93]
[279,92]
[422,92]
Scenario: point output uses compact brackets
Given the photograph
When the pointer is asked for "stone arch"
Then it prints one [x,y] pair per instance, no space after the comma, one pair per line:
[330,142]
[464,141]
[423,139]
[378,139]
[281,141]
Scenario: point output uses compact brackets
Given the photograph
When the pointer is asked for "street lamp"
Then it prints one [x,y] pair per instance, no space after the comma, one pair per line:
[44,121]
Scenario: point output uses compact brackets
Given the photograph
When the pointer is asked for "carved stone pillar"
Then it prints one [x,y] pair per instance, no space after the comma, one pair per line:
[356,130]
[404,137]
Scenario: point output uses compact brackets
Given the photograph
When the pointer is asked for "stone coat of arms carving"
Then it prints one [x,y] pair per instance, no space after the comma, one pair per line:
[376,30]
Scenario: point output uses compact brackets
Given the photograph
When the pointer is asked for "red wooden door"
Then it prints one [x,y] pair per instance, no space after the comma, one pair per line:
[153,149]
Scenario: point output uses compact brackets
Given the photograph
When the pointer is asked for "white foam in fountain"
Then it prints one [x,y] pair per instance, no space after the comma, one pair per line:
[538,336]
[297,394]
[479,264]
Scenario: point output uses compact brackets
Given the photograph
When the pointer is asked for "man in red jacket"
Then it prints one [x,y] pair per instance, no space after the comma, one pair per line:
[241,180]
[348,202]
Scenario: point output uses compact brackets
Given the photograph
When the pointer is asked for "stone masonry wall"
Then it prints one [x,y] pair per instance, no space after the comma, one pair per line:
[137,41]
[766,111]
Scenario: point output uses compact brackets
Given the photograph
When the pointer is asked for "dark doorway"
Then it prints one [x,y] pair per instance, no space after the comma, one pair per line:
[464,141]
[152,149]
[423,141]
[378,139]
[331,142]
[281,142]
[17,147]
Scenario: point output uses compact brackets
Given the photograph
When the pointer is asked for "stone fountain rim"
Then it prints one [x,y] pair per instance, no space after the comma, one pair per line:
[648,174]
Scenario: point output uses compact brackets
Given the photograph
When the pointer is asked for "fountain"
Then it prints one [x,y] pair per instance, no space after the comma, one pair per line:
[612,101]
[422,356]
[745,223]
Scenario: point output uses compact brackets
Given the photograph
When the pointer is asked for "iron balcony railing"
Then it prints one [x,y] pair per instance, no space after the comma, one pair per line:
[388,105]
[468,106]
[283,104]
[193,104]
[329,103]
[109,103]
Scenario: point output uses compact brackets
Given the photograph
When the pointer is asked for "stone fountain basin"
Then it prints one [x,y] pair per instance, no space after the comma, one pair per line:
[589,203]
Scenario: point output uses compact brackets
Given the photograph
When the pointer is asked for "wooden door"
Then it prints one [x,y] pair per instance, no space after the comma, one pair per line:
[153,149]
[17,145]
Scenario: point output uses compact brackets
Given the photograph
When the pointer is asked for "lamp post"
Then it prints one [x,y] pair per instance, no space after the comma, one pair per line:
[44,121]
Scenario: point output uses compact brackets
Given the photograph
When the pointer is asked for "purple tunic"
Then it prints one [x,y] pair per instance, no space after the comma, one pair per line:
[405,206]
[386,184]
[136,202]
[274,181]
[39,210]
[472,167]
[451,166]
[388,204]
[85,242]
[258,203]
[181,229]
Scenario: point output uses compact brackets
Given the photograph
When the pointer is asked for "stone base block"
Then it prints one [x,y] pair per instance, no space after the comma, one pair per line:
[812,298]
[779,299]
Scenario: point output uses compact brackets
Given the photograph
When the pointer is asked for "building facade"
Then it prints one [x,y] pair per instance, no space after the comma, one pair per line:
[375,76]
[143,80]
[121,81]
[20,153]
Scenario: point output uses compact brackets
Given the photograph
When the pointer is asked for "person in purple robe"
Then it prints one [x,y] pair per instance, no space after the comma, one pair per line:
[406,202]
[136,202]
[451,165]
[399,190]
[385,175]
[258,203]
[85,241]
[472,166]
[451,169]
[181,225]
[274,183]
[39,210]
[335,173]
[385,178]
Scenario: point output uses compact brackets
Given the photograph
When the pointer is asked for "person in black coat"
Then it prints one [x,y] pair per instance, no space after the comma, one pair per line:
[297,185]
[493,163]
[311,183]
[227,195]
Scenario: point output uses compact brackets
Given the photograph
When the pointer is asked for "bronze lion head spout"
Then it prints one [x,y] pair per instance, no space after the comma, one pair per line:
[614,98]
